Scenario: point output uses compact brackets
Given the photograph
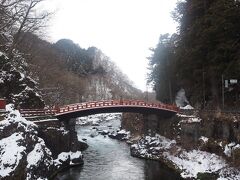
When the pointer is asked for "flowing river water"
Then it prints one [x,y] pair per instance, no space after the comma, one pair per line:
[110,159]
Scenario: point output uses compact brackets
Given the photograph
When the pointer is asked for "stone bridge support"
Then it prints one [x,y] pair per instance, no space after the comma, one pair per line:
[151,124]
[73,143]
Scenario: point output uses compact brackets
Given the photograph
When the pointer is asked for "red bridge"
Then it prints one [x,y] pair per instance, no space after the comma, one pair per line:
[109,106]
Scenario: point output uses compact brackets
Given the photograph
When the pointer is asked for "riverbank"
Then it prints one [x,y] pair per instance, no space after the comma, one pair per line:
[31,151]
[195,147]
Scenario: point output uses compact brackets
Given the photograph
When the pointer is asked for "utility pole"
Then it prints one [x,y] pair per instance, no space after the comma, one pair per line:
[222,91]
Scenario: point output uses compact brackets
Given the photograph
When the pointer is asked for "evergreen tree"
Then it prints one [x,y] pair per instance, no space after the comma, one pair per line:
[161,68]
[206,48]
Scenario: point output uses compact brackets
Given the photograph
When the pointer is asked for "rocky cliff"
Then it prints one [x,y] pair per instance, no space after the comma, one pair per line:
[31,151]
[15,86]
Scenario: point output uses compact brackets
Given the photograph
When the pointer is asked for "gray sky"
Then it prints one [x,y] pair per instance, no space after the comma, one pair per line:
[123,29]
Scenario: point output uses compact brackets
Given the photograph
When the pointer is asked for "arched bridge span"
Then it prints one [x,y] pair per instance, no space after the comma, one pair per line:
[112,106]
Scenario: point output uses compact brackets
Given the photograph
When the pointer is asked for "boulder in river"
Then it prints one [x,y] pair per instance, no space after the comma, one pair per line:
[120,135]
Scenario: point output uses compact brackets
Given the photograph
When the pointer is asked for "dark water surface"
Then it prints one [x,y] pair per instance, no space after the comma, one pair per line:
[109,159]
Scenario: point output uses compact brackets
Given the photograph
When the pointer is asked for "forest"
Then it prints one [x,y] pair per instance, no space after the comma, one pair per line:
[202,58]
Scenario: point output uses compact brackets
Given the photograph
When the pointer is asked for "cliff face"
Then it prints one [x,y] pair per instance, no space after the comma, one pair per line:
[16,86]
[30,151]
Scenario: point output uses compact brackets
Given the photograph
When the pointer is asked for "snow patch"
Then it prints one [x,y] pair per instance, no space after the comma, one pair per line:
[187,107]
[230,147]
[11,153]
[204,139]
[190,163]
[37,154]
[185,116]
[64,156]
[96,119]
[191,120]
[193,162]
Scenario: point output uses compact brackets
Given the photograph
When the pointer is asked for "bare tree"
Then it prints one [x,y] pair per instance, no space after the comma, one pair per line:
[19,16]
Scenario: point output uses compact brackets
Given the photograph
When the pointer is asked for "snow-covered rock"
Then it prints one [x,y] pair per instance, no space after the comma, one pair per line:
[15,85]
[96,119]
[104,132]
[189,163]
[25,150]
[203,139]
[120,135]
[23,154]
[74,158]
[187,107]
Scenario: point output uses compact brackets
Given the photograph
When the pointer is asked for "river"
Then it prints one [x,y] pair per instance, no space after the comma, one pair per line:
[109,159]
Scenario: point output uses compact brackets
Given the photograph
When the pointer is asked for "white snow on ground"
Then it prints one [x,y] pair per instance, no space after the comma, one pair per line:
[10,153]
[75,155]
[13,147]
[37,154]
[62,129]
[64,156]
[184,115]
[190,163]
[96,119]
[195,161]
[187,107]
[204,139]
[61,158]
[191,120]
[15,116]
[123,131]
[230,147]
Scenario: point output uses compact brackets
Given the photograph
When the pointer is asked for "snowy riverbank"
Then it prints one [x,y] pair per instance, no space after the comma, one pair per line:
[191,164]
[197,147]
[24,153]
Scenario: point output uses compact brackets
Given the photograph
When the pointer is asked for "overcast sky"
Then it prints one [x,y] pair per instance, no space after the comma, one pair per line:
[123,29]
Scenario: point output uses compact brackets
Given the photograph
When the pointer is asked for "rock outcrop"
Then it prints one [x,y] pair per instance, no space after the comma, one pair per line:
[16,86]
[30,151]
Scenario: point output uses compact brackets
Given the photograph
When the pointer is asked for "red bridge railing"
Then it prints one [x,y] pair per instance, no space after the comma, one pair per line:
[37,112]
[96,104]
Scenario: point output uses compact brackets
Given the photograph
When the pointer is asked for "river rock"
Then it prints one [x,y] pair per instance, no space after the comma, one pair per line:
[23,154]
[105,132]
[120,135]
[93,134]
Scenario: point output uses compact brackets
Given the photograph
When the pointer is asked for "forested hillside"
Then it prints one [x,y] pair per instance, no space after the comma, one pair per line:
[33,69]
[68,73]
[202,57]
